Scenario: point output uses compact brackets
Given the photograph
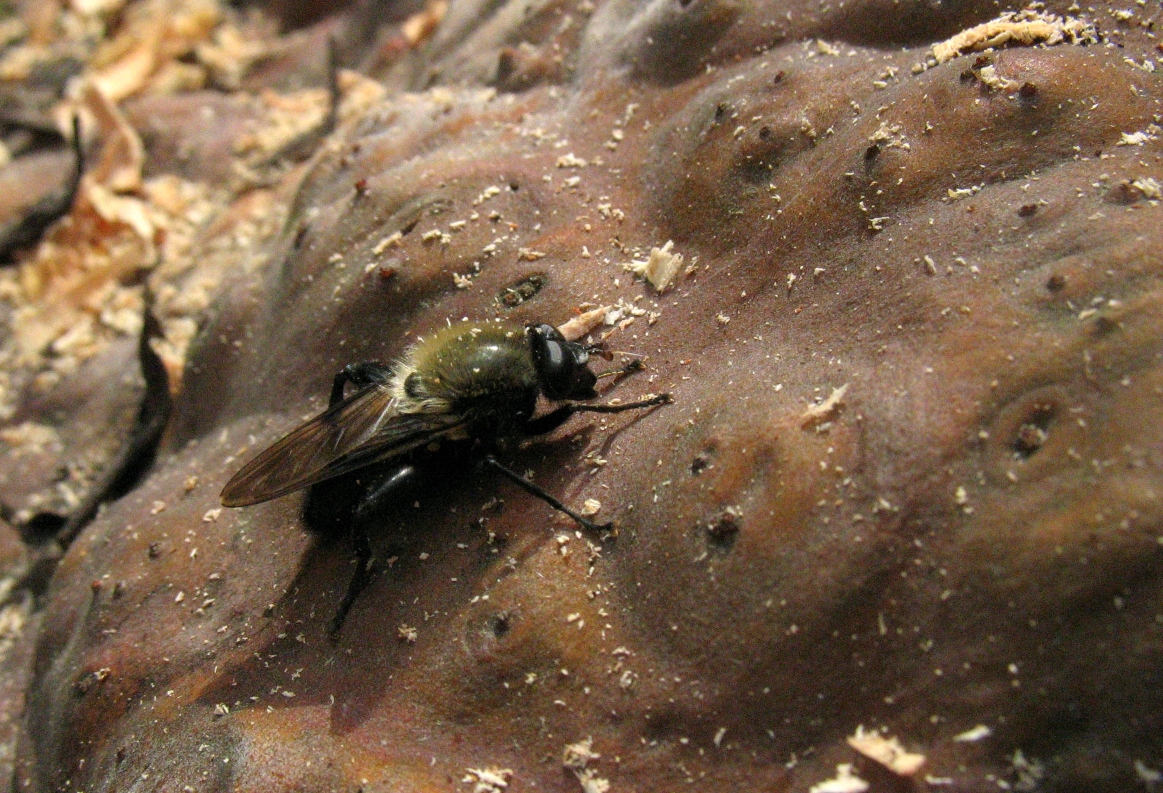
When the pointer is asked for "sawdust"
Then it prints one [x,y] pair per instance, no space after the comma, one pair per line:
[1023,28]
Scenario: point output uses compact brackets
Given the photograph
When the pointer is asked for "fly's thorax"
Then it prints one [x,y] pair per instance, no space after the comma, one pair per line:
[484,371]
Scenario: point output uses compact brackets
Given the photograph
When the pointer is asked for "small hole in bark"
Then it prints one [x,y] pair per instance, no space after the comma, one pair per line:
[43,525]
[525,289]
[500,624]
[724,529]
[1034,431]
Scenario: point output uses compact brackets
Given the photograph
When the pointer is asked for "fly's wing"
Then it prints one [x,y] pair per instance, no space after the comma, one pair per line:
[365,428]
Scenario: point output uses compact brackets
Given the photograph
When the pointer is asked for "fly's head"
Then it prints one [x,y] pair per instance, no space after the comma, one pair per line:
[562,366]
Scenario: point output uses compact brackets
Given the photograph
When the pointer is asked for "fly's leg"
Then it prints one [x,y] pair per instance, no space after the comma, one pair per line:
[359,375]
[359,579]
[551,421]
[534,490]
[634,365]
[555,418]
[404,477]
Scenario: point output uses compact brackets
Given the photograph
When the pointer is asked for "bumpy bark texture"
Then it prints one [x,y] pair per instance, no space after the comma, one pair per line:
[911,479]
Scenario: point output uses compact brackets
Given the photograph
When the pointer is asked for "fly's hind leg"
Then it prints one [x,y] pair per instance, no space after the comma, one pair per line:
[359,579]
[404,477]
[359,375]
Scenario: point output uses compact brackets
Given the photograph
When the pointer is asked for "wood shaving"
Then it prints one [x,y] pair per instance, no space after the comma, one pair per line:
[94,8]
[1026,28]
[826,48]
[583,323]
[887,751]
[978,733]
[486,194]
[576,757]
[119,166]
[659,268]
[419,27]
[1028,773]
[392,240]
[958,193]
[571,161]
[991,78]
[844,782]
[824,410]
[1147,775]
[360,94]
[126,211]
[13,618]
[229,54]
[154,35]
[889,136]
[1149,187]
[1139,138]
[488,780]
[591,782]
[30,436]
[286,118]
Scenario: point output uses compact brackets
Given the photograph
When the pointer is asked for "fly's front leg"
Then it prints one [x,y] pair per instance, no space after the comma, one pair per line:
[658,399]
[359,375]
[551,421]
[555,418]
[631,366]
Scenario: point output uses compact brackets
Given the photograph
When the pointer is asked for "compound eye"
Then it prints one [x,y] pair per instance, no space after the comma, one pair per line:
[561,365]
[556,360]
[549,333]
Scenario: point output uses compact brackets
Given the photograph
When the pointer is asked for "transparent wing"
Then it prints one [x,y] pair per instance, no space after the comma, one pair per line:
[365,428]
